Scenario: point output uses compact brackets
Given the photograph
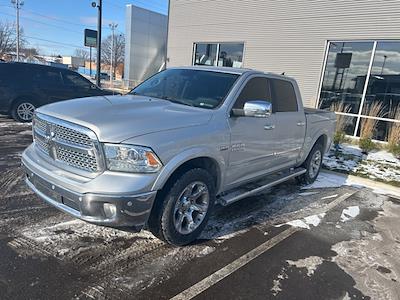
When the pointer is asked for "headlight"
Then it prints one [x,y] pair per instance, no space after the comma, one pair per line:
[129,158]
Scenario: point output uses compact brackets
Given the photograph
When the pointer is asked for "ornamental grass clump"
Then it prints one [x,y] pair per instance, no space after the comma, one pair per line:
[394,134]
[368,126]
[341,123]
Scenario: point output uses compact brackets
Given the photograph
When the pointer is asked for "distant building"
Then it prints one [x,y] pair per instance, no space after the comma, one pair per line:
[73,62]
[145,48]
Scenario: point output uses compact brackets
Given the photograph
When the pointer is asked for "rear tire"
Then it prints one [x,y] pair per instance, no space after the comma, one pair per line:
[180,216]
[312,164]
[22,110]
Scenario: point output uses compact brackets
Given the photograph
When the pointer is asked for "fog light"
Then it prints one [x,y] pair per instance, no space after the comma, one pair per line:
[110,210]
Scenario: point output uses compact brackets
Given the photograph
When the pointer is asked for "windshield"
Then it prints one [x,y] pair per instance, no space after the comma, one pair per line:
[198,88]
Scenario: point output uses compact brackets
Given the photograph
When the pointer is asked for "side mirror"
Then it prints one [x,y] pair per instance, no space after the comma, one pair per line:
[254,108]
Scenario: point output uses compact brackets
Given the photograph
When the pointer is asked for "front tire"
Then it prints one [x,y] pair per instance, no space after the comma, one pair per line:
[22,110]
[312,164]
[180,216]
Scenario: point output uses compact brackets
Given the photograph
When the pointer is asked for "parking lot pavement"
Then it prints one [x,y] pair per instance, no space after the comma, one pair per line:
[337,242]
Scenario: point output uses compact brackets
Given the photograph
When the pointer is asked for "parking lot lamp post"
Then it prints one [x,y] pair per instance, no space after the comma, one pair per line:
[17,4]
[112,26]
[99,6]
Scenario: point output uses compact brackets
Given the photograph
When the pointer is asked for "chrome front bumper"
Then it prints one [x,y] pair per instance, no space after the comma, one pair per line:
[114,210]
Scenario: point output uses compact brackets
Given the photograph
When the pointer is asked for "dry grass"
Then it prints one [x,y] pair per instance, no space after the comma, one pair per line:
[341,120]
[394,130]
[368,126]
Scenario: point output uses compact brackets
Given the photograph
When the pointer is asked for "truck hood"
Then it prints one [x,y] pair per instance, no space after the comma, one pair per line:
[118,118]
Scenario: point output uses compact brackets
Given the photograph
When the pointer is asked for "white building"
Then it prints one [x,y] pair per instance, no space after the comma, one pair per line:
[340,51]
[145,46]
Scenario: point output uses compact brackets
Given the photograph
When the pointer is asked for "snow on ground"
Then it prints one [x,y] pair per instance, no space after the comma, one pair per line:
[379,165]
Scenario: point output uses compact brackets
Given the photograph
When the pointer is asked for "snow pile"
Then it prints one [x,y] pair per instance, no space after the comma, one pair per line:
[380,165]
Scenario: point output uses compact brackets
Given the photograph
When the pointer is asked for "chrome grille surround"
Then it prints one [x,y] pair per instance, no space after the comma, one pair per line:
[70,146]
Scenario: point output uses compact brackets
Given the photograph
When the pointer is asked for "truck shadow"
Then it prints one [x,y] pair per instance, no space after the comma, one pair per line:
[285,202]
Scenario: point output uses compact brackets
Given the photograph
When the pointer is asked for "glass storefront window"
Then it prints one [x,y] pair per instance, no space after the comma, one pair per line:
[205,54]
[230,55]
[384,83]
[347,67]
[345,73]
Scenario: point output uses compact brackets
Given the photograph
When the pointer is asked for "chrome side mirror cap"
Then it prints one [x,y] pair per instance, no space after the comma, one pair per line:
[257,109]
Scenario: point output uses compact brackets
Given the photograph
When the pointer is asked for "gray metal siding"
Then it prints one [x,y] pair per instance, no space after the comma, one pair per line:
[280,35]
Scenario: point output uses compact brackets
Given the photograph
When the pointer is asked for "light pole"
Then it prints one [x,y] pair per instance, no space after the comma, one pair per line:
[112,26]
[17,4]
[99,6]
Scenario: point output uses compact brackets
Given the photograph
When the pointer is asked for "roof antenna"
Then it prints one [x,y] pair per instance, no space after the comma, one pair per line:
[283,73]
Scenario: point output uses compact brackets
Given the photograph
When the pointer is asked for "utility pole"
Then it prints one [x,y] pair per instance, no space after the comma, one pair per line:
[17,4]
[99,6]
[112,26]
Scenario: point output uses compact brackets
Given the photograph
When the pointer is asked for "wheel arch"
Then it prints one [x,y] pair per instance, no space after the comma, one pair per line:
[21,97]
[175,168]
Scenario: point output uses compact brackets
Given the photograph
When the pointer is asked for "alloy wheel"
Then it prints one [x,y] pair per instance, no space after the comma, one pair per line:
[25,111]
[191,207]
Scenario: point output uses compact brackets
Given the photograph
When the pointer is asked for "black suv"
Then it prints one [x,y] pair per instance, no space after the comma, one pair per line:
[24,86]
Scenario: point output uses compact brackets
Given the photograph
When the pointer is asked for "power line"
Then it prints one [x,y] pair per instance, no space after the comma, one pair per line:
[54,42]
[55,19]
[46,24]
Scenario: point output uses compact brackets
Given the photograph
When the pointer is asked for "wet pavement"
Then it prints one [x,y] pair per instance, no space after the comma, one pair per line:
[317,242]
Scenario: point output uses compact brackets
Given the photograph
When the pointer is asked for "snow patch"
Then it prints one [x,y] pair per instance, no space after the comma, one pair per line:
[310,263]
[313,220]
[349,213]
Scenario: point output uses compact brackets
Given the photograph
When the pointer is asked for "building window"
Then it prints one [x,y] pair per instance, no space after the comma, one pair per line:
[205,54]
[230,55]
[218,54]
[362,80]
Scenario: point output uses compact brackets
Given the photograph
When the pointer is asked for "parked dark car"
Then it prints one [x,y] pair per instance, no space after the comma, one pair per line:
[24,87]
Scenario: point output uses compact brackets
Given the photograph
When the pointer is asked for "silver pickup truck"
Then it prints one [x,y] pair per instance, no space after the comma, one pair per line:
[176,145]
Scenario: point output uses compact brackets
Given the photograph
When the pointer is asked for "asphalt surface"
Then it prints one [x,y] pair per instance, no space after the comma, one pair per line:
[334,242]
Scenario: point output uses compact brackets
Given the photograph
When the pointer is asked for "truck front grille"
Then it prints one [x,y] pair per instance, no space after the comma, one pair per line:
[68,144]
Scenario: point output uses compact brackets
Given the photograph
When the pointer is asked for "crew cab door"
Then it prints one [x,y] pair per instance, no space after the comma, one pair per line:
[252,138]
[290,122]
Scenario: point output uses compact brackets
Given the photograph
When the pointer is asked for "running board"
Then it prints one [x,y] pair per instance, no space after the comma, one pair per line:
[257,187]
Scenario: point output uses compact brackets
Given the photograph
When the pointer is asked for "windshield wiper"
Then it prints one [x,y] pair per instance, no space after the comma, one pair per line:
[175,101]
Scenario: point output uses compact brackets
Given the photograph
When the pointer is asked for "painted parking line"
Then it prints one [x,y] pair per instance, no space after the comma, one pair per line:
[219,275]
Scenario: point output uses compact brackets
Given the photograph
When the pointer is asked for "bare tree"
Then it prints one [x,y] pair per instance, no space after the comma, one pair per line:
[8,39]
[81,53]
[118,51]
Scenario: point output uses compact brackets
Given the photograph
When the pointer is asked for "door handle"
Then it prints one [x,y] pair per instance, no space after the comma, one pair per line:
[301,123]
[269,127]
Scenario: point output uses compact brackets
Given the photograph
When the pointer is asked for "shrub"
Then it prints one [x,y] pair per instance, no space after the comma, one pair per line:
[339,138]
[366,145]
[395,150]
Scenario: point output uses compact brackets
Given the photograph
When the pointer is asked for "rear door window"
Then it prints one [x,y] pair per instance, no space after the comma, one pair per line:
[48,78]
[284,97]
[75,80]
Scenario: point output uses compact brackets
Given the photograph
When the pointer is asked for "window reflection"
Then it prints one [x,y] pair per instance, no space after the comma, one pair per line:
[205,54]
[345,73]
[230,55]
[384,83]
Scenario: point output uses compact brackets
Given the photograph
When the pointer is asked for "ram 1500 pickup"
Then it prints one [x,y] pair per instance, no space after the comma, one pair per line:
[176,145]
